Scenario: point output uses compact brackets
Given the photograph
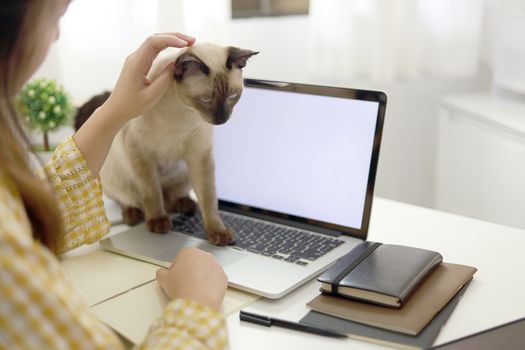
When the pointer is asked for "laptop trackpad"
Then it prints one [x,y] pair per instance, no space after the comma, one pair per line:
[224,255]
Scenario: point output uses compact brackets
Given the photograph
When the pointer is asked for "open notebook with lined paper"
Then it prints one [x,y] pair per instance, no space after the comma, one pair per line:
[124,294]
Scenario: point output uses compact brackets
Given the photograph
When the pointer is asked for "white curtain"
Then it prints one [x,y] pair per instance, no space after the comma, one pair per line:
[95,38]
[395,39]
[97,35]
[340,40]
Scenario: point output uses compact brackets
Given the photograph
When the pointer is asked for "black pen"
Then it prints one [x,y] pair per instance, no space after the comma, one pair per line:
[270,321]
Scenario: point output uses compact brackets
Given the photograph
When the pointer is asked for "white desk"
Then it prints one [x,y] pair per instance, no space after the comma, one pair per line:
[495,296]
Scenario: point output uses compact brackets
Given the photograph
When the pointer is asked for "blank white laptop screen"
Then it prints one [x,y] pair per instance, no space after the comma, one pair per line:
[299,154]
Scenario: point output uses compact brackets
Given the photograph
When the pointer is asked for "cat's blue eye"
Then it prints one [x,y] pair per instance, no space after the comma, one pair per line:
[232,96]
[205,100]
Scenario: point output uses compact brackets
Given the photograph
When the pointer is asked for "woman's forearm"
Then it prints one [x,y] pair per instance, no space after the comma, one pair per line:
[95,137]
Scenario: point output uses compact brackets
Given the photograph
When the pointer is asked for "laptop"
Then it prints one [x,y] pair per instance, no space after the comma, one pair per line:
[295,172]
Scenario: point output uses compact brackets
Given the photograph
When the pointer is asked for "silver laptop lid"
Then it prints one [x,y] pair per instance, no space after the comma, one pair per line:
[300,153]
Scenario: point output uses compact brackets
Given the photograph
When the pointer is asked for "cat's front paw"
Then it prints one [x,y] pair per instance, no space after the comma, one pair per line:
[221,237]
[162,224]
[132,216]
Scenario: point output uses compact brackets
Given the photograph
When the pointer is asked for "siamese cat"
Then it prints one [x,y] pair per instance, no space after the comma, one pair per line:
[157,158]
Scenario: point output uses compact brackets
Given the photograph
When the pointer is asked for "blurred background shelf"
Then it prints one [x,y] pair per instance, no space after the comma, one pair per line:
[480,162]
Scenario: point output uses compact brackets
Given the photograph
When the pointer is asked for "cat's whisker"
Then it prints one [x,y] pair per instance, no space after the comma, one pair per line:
[192,129]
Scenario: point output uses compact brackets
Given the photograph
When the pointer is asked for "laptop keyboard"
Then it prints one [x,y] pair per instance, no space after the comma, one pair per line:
[274,241]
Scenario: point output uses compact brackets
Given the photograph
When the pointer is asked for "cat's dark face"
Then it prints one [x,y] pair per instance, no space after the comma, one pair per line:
[209,79]
[215,101]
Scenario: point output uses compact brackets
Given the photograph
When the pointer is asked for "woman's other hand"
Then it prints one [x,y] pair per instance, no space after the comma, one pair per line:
[194,275]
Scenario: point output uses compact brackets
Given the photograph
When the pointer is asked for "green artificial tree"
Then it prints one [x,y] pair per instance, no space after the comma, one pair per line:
[44,105]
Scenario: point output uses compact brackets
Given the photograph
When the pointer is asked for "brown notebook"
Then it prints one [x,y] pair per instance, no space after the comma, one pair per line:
[424,304]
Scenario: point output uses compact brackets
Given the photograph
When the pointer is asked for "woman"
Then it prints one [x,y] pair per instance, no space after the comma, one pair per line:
[38,308]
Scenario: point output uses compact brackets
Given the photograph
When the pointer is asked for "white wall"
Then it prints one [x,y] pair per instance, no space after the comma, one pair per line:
[98,35]
[407,160]
[408,151]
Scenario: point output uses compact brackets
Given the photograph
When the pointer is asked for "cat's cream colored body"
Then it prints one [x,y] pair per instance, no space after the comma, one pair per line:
[157,158]
[162,144]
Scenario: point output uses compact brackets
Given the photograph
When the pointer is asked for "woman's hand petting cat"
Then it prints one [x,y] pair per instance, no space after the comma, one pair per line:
[134,94]
[194,275]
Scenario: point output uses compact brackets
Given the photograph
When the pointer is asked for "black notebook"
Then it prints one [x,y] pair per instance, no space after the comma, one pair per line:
[383,274]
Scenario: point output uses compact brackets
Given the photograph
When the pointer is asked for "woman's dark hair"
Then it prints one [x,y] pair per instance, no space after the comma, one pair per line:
[17,37]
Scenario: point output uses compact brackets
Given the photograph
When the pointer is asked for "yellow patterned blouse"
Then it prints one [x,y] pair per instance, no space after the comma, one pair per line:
[39,308]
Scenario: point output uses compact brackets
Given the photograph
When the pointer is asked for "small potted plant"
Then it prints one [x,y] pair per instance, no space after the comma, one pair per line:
[45,106]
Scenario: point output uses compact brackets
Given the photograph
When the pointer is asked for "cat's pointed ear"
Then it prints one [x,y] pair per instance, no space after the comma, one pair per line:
[187,64]
[237,57]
